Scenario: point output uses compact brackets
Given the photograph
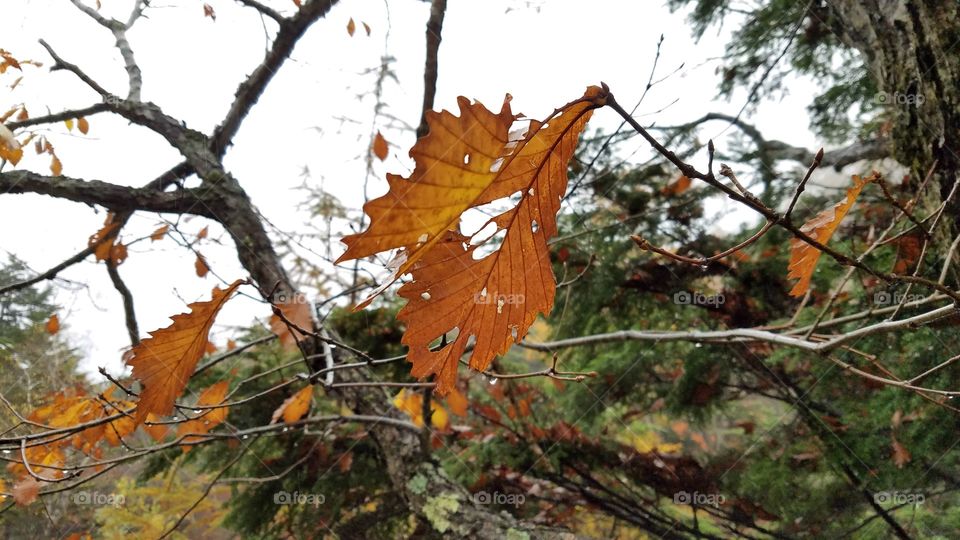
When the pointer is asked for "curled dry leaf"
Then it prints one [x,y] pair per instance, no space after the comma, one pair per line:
[164,362]
[465,162]
[294,407]
[83,125]
[803,256]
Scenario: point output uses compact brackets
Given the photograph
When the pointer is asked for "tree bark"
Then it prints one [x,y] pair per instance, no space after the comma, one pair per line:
[909,46]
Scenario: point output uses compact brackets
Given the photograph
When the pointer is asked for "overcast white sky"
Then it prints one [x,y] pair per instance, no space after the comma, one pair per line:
[542,52]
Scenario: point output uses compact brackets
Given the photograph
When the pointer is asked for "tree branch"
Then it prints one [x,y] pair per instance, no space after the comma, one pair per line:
[104,194]
[434,28]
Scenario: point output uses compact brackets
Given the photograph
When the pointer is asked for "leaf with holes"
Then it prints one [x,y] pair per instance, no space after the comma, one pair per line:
[490,292]
[803,256]
[164,362]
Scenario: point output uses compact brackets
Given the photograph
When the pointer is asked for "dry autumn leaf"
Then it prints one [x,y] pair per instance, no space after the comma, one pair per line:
[164,362]
[462,163]
[411,403]
[83,125]
[103,240]
[207,418]
[159,233]
[901,456]
[209,12]
[298,312]
[380,147]
[351,27]
[53,324]
[56,167]
[69,123]
[803,256]
[366,28]
[677,187]
[200,265]
[294,407]
[26,491]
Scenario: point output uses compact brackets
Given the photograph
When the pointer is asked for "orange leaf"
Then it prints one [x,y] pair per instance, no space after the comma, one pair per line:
[159,233]
[55,166]
[380,147]
[118,254]
[231,344]
[203,233]
[209,12]
[297,312]
[467,162]
[351,27]
[157,432]
[200,265]
[208,418]
[294,407]
[457,402]
[53,324]
[164,362]
[677,187]
[83,125]
[104,247]
[26,491]
[803,256]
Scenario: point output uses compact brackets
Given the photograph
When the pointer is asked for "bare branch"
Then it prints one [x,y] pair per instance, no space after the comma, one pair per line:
[434,28]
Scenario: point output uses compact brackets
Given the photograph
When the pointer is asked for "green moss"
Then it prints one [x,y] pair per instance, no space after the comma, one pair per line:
[417,484]
[438,510]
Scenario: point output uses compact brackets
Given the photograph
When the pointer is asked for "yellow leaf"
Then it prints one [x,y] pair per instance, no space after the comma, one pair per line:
[293,408]
[55,166]
[69,123]
[53,324]
[411,403]
[803,256]
[164,362]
